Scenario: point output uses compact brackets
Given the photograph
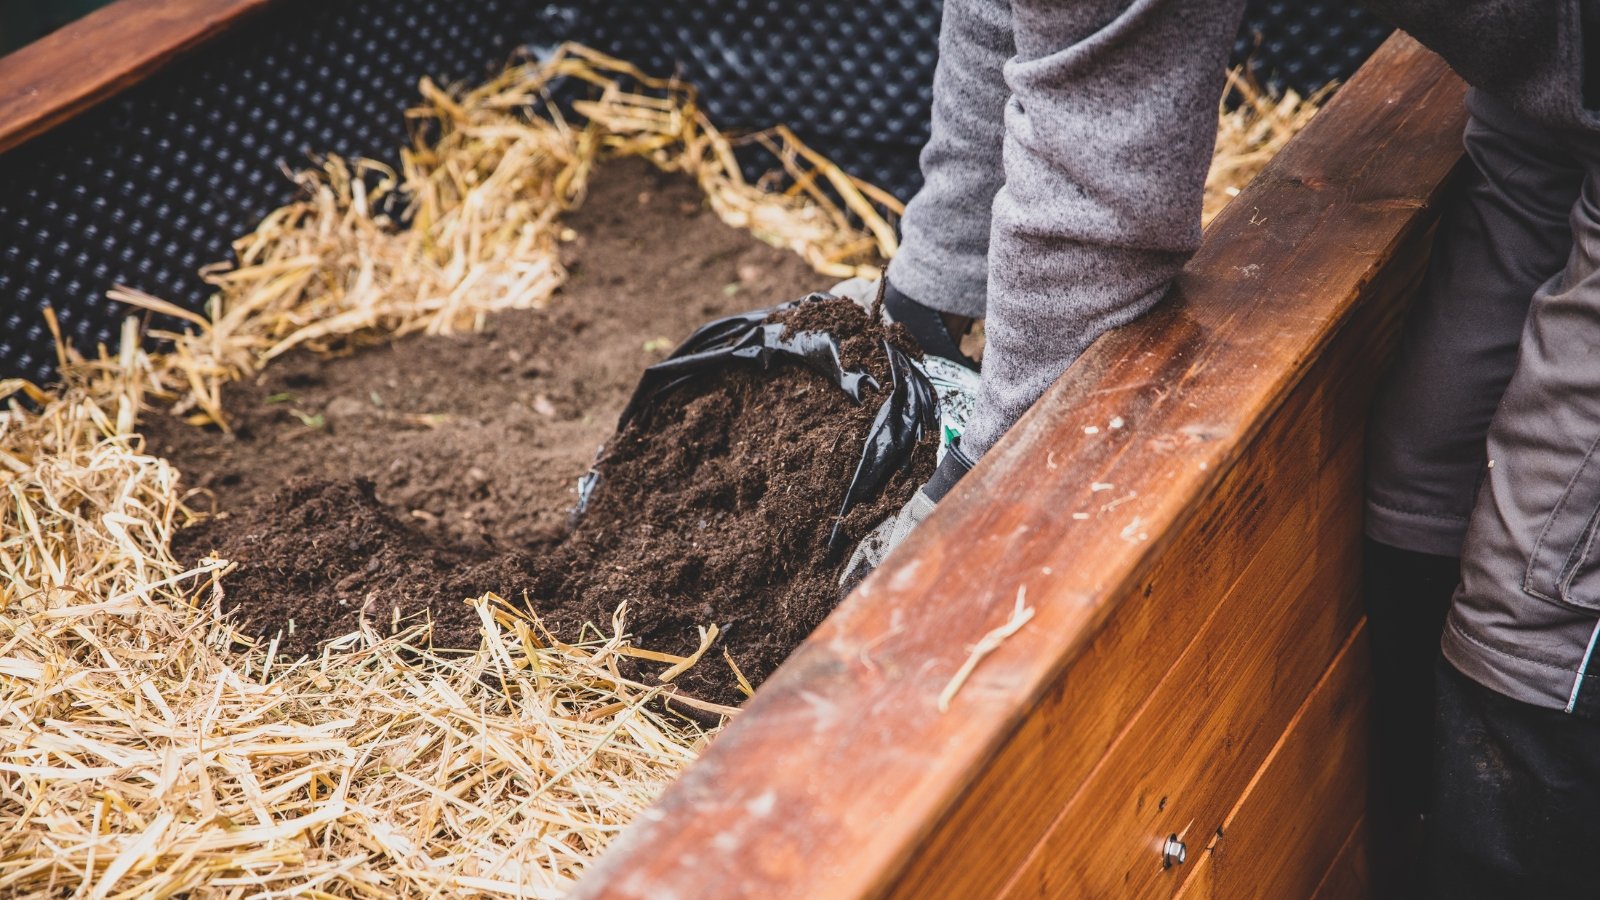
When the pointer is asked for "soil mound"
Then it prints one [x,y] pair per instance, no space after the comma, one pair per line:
[716,512]
[719,510]
[403,479]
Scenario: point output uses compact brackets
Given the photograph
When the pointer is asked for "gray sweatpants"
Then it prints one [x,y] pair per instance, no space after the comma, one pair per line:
[1063,177]
[1483,444]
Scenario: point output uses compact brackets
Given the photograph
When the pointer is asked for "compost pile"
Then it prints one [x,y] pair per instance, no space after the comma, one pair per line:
[718,508]
[716,511]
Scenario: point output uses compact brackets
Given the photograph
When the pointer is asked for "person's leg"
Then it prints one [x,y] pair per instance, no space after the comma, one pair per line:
[944,248]
[1522,621]
[1503,233]
[1109,132]
[1515,801]
[1407,595]
[1518,766]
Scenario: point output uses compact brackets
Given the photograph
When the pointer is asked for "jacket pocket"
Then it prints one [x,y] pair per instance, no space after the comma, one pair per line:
[1565,565]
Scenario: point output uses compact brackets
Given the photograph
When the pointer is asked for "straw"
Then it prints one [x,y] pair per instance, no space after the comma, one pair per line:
[1021,615]
[1250,133]
[470,223]
[147,748]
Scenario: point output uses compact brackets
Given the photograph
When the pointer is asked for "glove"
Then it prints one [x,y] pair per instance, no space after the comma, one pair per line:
[876,546]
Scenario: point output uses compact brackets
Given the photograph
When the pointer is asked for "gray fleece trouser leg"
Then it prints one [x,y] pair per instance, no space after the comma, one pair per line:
[1105,132]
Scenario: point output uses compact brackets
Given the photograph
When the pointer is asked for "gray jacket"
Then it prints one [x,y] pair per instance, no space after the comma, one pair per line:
[1527,53]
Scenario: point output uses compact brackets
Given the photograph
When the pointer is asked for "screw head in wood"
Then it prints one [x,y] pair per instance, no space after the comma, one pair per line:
[1173,853]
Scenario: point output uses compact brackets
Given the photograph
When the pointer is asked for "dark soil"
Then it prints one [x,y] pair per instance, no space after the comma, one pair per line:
[719,510]
[406,478]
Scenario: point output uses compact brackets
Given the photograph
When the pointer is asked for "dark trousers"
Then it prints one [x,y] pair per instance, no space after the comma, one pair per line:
[1407,595]
[1515,810]
[1473,794]
[1485,445]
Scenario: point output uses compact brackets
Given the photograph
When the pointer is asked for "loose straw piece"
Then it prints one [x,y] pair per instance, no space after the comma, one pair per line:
[744,683]
[705,705]
[986,645]
[708,636]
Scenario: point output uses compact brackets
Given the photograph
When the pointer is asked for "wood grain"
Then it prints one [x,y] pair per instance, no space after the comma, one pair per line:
[73,68]
[1268,564]
[1300,808]
[1189,747]
[1349,878]
[842,778]
[1182,761]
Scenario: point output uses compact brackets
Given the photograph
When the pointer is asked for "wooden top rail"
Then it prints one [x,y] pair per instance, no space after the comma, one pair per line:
[842,765]
[69,70]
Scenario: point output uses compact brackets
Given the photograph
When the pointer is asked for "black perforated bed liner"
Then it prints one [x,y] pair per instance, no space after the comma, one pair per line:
[151,185]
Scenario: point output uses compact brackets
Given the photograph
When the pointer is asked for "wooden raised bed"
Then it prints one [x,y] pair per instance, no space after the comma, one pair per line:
[1195,667]
[53,79]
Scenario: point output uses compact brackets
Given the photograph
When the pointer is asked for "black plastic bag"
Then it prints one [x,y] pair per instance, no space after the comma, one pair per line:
[908,411]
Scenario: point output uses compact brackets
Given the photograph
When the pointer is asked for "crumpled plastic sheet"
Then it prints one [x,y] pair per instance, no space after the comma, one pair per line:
[954,384]
[909,409]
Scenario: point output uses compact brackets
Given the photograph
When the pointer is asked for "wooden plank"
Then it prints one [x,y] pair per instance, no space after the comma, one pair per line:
[1297,818]
[1349,877]
[1075,725]
[73,68]
[1190,746]
[842,766]
[1286,511]
[1201,735]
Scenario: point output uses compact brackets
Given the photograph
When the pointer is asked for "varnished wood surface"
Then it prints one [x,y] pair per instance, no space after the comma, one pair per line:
[69,70]
[1300,808]
[1349,878]
[1189,746]
[843,779]
[1167,724]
